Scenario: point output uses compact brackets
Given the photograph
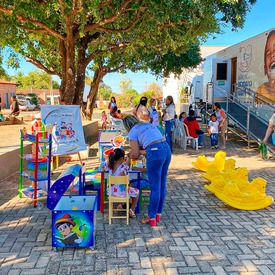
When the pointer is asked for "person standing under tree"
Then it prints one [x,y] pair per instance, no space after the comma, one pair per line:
[168,117]
[112,104]
[141,111]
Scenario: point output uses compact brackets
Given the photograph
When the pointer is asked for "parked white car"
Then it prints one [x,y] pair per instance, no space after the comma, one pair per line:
[26,105]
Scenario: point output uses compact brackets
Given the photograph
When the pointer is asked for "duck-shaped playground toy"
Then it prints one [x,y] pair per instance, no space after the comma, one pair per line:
[202,163]
[245,196]
[231,185]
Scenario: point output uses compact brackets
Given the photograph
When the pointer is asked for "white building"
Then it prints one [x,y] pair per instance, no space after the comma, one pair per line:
[173,85]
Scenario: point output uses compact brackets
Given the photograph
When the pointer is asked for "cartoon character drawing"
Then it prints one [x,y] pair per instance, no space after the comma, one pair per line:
[118,141]
[70,126]
[63,125]
[64,226]
[70,133]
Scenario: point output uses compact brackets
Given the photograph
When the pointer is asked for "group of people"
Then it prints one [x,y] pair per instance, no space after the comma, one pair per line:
[113,111]
[216,125]
[156,118]
[147,140]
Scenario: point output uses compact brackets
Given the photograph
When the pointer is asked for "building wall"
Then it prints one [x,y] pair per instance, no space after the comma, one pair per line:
[170,87]
[6,91]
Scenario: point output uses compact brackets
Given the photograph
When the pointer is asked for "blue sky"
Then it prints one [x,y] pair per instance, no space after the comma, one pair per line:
[260,19]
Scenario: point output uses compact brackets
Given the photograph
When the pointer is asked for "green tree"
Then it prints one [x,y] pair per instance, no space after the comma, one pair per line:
[126,97]
[155,89]
[105,91]
[64,38]
[35,80]
[125,84]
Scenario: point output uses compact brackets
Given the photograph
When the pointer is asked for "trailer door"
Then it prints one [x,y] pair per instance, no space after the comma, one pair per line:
[221,78]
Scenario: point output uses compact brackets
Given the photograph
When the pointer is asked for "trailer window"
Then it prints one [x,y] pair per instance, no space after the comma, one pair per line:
[221,71]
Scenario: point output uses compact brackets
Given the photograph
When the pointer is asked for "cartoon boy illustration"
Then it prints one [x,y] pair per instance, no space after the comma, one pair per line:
[64,226]
[267,89]
[63,125]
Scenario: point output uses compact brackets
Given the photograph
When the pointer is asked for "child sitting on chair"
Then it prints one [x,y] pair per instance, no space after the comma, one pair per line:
[117,166]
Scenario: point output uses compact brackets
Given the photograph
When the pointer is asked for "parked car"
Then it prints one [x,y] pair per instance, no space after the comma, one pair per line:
[26,105]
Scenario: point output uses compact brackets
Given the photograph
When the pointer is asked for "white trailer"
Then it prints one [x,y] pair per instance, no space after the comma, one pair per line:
[240,65]
[196,89]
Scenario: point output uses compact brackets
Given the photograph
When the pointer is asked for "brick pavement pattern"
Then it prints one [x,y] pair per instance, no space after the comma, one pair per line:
[198,233]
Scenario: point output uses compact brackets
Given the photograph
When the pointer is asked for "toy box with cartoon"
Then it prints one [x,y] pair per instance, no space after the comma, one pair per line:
[73,217]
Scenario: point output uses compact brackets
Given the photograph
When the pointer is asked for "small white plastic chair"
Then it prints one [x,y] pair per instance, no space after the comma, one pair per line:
[182,135]
[195,141]
[176,131]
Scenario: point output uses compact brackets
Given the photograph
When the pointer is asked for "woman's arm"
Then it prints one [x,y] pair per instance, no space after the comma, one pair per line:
[268,132]
[223,118]
[135,152]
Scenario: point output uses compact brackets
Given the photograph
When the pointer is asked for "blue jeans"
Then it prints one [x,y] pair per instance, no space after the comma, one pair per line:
[200,138]
[143,183]
[214,139]
[158,157]
[168,128]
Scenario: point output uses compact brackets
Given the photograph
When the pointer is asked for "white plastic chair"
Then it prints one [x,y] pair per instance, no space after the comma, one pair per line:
[195,141]
[182,135]
[175,131]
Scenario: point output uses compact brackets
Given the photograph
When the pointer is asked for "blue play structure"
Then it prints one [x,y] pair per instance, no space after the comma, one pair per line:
[73,217]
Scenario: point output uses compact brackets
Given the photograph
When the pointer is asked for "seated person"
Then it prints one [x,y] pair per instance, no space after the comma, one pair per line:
[14,107]
[194,128]
[116,165]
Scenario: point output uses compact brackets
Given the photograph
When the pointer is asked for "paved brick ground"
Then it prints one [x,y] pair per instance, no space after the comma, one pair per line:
[198,234]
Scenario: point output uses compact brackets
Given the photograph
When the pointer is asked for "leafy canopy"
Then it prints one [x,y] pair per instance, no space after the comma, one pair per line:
[65,37]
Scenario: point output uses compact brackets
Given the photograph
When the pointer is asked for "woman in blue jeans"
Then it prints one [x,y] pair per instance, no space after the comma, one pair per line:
[169,118]
[146,139]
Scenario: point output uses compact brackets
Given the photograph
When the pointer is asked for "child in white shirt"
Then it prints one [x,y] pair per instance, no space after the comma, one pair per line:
[213,130]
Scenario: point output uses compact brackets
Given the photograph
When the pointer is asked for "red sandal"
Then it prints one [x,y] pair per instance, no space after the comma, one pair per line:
[147,220]
[158,217]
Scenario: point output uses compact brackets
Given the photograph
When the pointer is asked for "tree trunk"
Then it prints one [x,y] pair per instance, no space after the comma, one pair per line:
[67,90]
[80,84]
[98,76]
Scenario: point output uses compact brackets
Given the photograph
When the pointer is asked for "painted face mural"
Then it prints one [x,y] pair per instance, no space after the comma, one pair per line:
[270,57]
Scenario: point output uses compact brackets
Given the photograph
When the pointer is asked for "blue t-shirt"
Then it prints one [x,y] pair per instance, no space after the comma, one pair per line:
[144,133]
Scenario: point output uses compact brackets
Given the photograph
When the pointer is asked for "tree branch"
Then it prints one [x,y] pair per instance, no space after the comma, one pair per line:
[116,69]
[39,65]
[98,53]
[104,3]
[108,30]
[25,20]
[77,7]
[33,30]
[61,6]
[109,19]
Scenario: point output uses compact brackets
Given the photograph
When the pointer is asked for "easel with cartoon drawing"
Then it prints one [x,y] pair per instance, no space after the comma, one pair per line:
[68,135]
